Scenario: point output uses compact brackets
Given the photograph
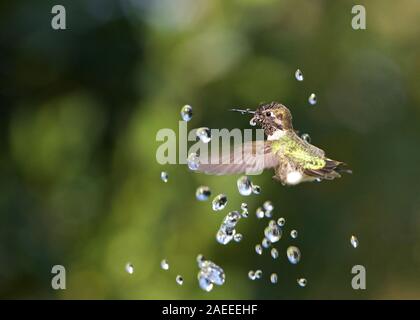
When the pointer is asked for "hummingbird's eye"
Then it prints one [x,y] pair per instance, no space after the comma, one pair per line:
[268,114]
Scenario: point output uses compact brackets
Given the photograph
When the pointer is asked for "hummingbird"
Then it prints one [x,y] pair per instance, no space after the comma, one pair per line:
[293,159]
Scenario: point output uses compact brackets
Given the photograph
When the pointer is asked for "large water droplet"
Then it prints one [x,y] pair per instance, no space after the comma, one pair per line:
[164,264]
[273,232]
[294,234]
[164,176]
[293,254]
[204,134]
[193,161]
[244,186]
[274,253]
[312,99]
[203,193]
[306,137]
[129,268]
[273,278]
[186,112]
[225,236]
[204,282]
[354,241]
[227,229]
[219,202]
[299,75]
[180,280]
[302,282]
[281,222]
[258,249]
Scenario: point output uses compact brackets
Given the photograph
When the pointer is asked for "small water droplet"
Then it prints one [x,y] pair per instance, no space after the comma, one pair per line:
[204,282]
[354,241]
[186,112]
[274,253]
[251,275]
[129,268]
[293,254]
[273,232]
[258,274]
[219,202]
[294,234]
[164,264]
[256,189]
[244,210]
[268,206]
[258,249]
[306,137]
[273,278]
[244,186]
[180,280]
[266,243]
[302,282]
[238,237]
[312,99]
[260,213]
[193,161]
[281,222]
[204,134]
[299,75]
[253,122]
[200,260]
[203,193]
[164,176]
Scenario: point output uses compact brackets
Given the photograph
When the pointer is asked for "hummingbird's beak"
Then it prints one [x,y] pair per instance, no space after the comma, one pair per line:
[243,111]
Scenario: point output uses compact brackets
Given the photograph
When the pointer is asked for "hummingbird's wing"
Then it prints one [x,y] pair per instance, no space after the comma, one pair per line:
[251,157]
[329,171]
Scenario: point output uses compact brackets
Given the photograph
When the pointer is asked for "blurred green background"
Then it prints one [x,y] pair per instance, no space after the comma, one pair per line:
[79,113]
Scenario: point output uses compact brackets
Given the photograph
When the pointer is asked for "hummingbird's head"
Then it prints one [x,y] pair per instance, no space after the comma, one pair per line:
[272,117]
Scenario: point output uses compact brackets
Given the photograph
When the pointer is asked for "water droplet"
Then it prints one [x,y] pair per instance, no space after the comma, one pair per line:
[244,212]
[294,234]
[203,193]
[251,275]
[237,237]
[200,260]
[164,176]
[293,254]
[274,253]
[299,75]
[213,272]
[179,280]
[260,213]
[273,278]
[281,222]
[258,274]
[204,282]
[354,241]
[268,206]
[306,137]
[164,264]
[312,99]
[302,282]
[244,186]
[273,232]
[219,202]
[256,189]
[204,134]
[266,243]
[186,112]
[258,249]
[129,268]
[253,122]
[225,236]
[227,229]
[268,214]
[193,161]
